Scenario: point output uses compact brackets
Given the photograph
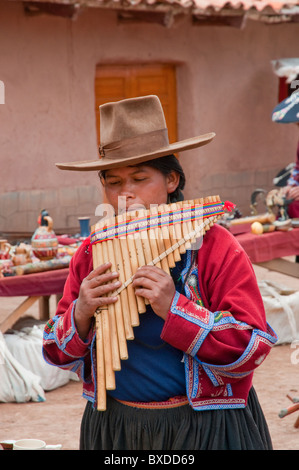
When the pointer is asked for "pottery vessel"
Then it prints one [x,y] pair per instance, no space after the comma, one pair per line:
[44,241]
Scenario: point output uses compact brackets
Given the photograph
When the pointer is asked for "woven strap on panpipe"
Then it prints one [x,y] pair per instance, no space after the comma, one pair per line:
[185,212]
[156,237]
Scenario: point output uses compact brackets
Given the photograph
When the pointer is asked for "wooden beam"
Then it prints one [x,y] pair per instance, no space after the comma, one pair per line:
[236,21]
[163,18]
[282,266]
[49,8]
[17,313]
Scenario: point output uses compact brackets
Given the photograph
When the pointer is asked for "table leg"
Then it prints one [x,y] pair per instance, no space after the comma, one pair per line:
[44,307]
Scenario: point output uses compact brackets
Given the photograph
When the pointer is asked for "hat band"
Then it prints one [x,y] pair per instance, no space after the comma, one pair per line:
[138,145]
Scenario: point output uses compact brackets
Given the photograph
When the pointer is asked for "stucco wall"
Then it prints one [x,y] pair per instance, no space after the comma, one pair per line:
[225,84]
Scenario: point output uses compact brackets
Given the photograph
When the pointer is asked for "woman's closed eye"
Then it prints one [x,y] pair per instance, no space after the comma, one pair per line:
[140,179]
[113,182]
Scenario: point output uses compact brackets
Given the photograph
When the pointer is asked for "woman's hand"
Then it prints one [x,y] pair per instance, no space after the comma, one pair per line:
[94,292]
[156,286]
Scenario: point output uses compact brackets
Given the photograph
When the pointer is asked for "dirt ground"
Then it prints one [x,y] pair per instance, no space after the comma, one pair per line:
[57,420]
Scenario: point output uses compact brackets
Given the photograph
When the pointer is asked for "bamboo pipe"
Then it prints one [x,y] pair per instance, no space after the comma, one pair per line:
[101,375]
[173,239]
[178,226]
[160,242]
[109,372]
[125,251]
[152,235]
[166,237]
[130,316]
[118,315]
[136,257]
[115,354]
[187,225]
[101,383]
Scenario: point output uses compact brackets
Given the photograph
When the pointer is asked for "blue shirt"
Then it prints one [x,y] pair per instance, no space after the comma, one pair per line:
[154,370]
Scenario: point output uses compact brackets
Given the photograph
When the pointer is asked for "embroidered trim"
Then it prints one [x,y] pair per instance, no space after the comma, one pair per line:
[218,403]
[157,405]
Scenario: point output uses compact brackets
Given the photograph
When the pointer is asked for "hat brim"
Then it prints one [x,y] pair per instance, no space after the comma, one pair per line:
[106,162]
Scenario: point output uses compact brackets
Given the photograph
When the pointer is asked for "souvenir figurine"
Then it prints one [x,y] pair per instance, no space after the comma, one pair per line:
[44,241]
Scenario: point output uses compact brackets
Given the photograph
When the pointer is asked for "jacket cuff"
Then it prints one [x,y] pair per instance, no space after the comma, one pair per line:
[67,337]
[194,321]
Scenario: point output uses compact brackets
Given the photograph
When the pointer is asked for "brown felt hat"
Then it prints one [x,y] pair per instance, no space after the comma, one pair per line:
[133,131]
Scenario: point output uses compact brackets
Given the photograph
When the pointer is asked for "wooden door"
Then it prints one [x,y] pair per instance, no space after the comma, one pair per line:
[117,82]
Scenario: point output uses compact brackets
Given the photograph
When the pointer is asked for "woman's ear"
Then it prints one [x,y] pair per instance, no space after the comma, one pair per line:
[172,181]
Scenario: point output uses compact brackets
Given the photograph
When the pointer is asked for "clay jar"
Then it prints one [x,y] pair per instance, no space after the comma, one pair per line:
[44,241]
[21,256]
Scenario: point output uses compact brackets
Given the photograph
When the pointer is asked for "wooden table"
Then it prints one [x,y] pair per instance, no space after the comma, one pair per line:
[36,287]
[269,249]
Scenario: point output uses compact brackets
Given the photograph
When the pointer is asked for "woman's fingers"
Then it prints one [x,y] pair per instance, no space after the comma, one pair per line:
[101,269]
[156,286]
[97,289]
[105,289]
[100,275]
[151,272]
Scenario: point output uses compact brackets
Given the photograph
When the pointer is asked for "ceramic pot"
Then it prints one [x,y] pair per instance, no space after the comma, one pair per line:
[44,241]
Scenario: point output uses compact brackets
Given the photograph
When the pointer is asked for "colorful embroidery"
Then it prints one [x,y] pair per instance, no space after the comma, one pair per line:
[158,405]
[220,315]
[194,289]
[196,371]
[49,327]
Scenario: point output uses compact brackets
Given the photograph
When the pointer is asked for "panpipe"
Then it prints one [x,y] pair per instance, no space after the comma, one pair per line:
[157,237]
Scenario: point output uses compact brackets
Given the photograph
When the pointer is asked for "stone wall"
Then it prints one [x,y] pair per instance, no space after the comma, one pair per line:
[225,84]
[19,210]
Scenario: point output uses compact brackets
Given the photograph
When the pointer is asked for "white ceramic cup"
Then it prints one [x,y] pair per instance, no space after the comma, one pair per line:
[33,444]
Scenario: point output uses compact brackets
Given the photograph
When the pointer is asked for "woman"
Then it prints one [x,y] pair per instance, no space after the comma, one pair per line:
[187,383]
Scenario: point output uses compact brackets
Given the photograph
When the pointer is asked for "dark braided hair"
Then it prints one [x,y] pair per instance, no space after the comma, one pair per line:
[166,165]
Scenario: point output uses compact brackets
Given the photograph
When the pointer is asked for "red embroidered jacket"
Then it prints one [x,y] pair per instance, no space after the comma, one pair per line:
[219,324]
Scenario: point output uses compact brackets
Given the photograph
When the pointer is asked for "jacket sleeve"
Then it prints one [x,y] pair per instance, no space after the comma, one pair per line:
[62,345]
[226,333]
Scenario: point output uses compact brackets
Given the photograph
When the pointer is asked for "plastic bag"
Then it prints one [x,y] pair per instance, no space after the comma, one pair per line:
[282,310]
[26,346]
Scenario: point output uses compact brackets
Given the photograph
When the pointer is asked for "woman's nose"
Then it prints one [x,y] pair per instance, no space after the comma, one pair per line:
[127,189]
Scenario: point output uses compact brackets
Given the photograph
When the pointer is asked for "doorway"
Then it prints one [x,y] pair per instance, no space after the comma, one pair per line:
[117,82]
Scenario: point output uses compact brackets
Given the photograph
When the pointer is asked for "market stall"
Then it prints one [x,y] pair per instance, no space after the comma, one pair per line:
[36,269]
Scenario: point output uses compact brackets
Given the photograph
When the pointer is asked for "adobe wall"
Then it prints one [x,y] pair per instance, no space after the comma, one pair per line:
[225,84]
